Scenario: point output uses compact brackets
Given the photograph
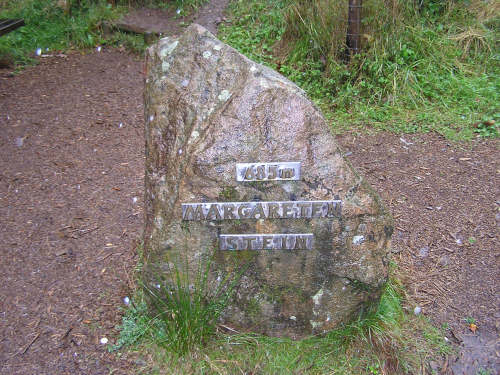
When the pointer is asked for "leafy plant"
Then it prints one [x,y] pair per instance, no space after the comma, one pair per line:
[483,371]
[470,320]
[489,126]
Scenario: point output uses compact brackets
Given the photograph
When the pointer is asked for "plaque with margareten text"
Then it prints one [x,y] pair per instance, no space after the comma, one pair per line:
[261,210]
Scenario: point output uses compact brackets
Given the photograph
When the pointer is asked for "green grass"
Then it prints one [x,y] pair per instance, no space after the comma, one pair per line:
[184,6]
[383,340]
[433,69]
[49,28]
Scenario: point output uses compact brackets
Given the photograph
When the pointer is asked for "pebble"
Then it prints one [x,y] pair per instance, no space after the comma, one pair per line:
[104,341]
[417,310]
[405,142]
[126,301]
[423,252]
[444,260]
[19,142]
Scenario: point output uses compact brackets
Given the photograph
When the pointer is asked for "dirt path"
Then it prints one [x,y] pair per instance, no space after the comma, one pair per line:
[71,191]
[445,199]
[167,22]
[71,188]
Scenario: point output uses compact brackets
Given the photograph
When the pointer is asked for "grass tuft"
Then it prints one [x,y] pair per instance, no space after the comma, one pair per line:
[178,313]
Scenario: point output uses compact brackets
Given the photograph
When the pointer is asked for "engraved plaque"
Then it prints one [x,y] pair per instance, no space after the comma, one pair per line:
[289,241]
[261,210]
[284,171]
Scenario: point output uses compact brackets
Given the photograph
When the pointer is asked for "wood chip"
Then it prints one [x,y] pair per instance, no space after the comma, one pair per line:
[22,351]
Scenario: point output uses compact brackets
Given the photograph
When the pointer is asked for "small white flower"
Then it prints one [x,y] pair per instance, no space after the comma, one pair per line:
[126,301]
[157,286]
[99,48]
[417,310]
[120,125]
[134,199]
[38,51]
[178,11]
[104,341]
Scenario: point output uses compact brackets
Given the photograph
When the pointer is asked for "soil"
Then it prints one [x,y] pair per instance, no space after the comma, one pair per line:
[71,189]
[444,198]
[168,22]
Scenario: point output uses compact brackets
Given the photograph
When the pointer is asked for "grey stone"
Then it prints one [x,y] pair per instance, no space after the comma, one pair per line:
[233,110]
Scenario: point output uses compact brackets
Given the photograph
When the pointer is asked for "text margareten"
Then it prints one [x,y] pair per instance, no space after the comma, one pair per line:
[261,210]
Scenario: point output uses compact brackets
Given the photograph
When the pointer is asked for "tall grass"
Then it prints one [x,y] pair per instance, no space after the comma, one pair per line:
[427,65]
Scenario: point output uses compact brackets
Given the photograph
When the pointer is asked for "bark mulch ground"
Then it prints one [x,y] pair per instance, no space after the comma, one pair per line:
[445,199]
[71,189]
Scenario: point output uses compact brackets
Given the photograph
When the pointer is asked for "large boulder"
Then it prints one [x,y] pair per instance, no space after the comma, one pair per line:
[208,108]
